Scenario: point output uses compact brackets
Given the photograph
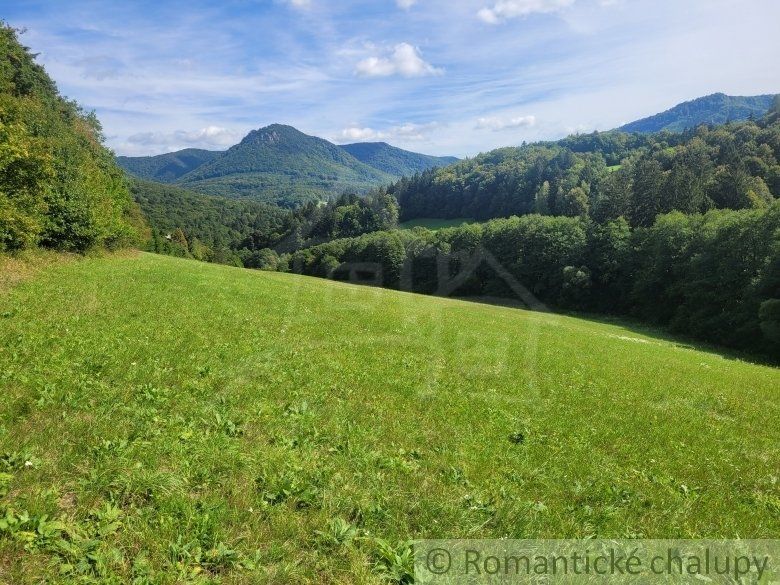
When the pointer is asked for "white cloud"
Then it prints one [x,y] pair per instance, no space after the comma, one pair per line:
[497,124]
[405,132]
[405,4]
[299,3]
[209,137]
[506,9]
[405,60]
[357,134]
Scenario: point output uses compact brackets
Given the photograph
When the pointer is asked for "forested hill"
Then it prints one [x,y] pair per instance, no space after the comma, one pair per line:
[607,175]
[59,187]
[395,161]
[717,108]
[166,168]
[281,165]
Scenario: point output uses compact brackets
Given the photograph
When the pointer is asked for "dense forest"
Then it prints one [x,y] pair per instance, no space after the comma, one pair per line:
[607,175]
[59,187]
[247,233]
[212,229]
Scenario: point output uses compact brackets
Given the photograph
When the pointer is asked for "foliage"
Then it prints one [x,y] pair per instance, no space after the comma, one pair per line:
[434,224]
[606,176]
[248,233]
[215,227]
[347,216]
[146,445]
[59,187]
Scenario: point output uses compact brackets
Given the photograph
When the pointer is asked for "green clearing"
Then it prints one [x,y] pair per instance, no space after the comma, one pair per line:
[168,421]
[434,223]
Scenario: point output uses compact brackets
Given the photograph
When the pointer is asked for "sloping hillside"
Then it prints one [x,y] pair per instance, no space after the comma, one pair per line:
[395,161]
[282,165]
[171,421]
[166,168]
[717,108]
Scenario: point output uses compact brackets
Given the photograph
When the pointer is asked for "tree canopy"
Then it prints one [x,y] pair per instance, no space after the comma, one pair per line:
[607,175]
[59,186]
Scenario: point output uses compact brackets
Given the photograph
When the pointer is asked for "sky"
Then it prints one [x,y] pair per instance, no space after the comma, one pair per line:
[444,77]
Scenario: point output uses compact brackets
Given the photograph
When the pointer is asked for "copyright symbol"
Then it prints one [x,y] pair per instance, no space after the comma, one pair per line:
[438,561]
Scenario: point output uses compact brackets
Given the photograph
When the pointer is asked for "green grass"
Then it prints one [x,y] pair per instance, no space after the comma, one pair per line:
[170,421]
[614,168]
[435,224]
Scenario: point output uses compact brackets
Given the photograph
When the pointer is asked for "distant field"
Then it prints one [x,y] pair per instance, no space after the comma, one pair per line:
[435,224]
[168,421]
[614,168]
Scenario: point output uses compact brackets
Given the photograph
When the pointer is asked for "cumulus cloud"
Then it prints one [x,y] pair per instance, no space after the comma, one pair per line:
[405,60]
[405,4]
[405,132]
[506,9]
[497,124]
[209,137]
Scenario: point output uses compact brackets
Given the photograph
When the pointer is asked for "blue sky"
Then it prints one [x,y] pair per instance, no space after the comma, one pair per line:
[437,76]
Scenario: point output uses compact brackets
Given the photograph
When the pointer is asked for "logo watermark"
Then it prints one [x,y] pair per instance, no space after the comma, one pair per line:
[597,561]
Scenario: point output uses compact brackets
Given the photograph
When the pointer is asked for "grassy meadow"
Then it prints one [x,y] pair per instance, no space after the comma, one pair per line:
[169,421]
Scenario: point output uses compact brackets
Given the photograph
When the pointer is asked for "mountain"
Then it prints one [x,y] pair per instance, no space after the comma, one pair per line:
[395,161]
[717,108]
[279,164]
[282,165]
[166,168]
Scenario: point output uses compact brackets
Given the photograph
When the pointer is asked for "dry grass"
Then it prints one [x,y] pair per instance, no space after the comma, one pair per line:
[24,265]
